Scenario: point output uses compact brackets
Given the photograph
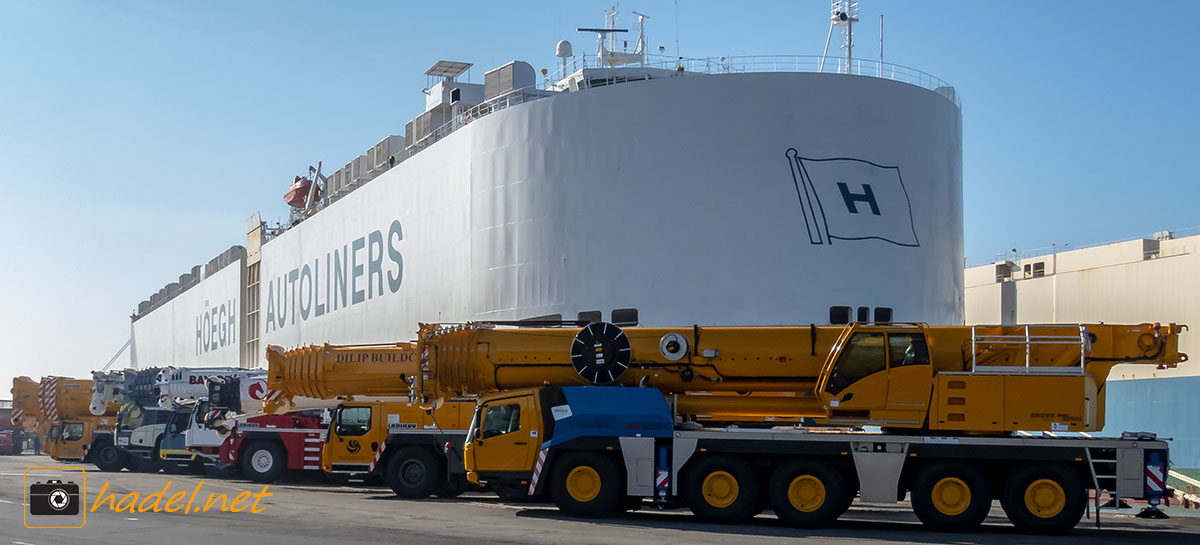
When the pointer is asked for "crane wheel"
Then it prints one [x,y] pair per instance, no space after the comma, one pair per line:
[721,489]
[808,493]
[415,473]
[1044,499]
[263,461]
[586,484]
[951,496]
[108,457]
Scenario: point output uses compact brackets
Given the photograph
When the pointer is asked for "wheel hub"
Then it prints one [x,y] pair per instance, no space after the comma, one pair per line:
[412,472]
[262,461]
[583,484]
[951,496]
[1045,498]
[720,489]
[806,493]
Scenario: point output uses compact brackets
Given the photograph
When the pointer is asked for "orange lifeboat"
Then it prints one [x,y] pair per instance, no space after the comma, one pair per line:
[297,194]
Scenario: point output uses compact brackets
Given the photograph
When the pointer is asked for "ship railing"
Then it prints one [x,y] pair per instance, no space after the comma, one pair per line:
[774,63]
[554,82]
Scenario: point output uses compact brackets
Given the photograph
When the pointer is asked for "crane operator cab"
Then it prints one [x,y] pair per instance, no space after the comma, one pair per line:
[879,376]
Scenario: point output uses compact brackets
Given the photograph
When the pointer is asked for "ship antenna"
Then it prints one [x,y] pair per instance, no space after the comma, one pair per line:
[843,13]
[678,59]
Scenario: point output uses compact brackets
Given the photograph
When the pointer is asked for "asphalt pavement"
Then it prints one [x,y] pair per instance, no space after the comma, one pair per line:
[308,511]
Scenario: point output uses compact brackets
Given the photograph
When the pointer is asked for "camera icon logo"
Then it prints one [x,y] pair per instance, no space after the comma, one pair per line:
[54,498]
[58,502]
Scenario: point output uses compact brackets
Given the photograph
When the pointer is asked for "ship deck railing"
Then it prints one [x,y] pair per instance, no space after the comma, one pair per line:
[552,82]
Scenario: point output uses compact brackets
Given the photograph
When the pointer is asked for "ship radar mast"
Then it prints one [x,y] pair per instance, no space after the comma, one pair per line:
[842,13]
[609,55]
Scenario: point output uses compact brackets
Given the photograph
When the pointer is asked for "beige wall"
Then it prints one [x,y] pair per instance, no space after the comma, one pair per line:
[1112,283]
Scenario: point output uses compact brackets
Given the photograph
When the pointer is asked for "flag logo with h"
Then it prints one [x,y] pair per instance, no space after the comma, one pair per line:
[852,199]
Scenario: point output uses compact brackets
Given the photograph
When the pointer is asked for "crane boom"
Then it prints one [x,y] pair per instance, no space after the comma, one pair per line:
[897,375]
[332,371]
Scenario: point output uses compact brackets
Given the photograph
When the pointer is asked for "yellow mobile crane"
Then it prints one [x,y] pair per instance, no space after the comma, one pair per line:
[27,412]
[74,434]
[376,430]
[955,394]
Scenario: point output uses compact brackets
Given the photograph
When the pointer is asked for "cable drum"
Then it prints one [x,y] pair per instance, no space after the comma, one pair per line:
[600,353]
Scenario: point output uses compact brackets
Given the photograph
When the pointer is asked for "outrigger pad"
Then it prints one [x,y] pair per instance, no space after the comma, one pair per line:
[1152,513]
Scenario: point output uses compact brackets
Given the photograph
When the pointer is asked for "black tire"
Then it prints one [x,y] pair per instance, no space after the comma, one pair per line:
[211,470]
[415,472]
[107,456]
[808,493]
[1044,499]
[140,464]
[453,487]
[722,489]
[951,496]
[513,494]
[263,461]
[586,484]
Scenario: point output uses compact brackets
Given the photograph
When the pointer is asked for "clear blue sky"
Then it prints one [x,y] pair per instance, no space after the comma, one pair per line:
[137,136]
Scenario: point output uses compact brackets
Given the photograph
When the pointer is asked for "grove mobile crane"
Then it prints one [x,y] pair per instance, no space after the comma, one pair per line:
[377,431]
[947,398]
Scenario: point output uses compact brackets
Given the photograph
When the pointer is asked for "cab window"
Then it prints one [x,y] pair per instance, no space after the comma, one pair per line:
[501,419]
[864,354]
[179,423]
[72,432]
[54,434]
[162,416]
[130,417]
[907,349]
[199,412]
[353,421]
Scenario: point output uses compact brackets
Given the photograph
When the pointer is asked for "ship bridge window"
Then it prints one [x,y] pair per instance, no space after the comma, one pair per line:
[625,317]
[839,315]
[590,316]
[883,315]
[864,314]
[1039,269]
[864,355]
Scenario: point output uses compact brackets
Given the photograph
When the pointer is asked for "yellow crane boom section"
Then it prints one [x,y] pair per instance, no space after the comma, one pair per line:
[62,398]
[27,413]
[333,371]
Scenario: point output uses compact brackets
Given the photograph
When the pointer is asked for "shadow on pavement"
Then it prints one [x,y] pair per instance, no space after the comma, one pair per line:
[891,526]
